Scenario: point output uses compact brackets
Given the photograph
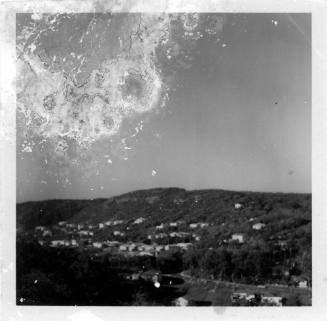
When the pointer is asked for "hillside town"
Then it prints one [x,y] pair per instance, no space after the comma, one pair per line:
[203,249]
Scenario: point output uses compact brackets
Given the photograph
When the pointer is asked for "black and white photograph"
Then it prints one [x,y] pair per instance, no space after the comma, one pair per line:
[156,157]
[163,159]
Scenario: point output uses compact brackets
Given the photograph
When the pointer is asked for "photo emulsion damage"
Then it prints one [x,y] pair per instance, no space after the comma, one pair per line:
[163,159]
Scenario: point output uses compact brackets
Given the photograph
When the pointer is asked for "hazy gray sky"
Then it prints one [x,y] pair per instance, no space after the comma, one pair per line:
[239,118]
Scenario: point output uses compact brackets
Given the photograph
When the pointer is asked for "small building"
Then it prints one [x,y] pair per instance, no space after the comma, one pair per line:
[56,243]
[80,226]
[62,223]
[272,300]
[97,245]
[117,222]
[238,206]
[303,284]
[180,302]
[197,225]
[239,237]
[160,227]
[118,233]
[39,228]
[160,235]
[139,220]
[101,225]
[47,233]
[258,226]
[173,224]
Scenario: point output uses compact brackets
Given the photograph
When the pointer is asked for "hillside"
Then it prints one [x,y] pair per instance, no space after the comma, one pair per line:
[170,204]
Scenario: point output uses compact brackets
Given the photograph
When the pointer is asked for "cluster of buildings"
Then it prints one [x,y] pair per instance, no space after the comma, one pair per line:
[256,299]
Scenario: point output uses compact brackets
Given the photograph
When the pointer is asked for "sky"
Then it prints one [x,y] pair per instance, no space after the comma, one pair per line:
[230,109]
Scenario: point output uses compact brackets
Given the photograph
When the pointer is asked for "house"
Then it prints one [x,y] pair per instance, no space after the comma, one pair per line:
[202,225]
[117,222]
[160,227]
[39,228]
[160,235]
[238,206]
[112,243]
[303,284]
[108,223]
[80,226]
[47,233]
[118,233]
[180,302]
[56,243]
[159,248]
[272,300]
[196,237]
[101,225]
[74,243]
[62,223]
[139,220]
[97,245]
[239,237]
[85,233]
[70,225]
[123,247]
[196,225]
[258,226]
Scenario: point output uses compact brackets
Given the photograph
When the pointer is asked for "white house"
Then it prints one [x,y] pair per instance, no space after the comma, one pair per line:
[238,206]
[117,222]
[56,243]
[272,300]
[160,227]
[123,247]
[101,225]
[239,237]
[258,226]
[180,302]
[200,224]
[97,245]
[118,233]
[108,223]
[47,233]
[39,228]
[139,220]
[62,223]
[303,284]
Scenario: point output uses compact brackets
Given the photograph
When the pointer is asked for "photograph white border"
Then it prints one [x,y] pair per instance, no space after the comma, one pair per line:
[8,308]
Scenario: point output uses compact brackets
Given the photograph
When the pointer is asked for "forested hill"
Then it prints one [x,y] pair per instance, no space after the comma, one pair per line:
[163,205]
